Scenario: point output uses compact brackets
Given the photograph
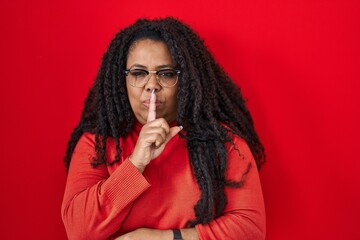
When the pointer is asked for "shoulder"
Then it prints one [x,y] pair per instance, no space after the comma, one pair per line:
[85,143]
[87,140]
[240,144]
[237,143]
[240,158]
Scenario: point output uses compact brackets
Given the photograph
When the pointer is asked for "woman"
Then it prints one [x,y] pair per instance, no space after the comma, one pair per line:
[165,148]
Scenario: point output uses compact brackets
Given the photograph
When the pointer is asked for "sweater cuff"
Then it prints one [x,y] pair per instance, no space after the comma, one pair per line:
[125,185]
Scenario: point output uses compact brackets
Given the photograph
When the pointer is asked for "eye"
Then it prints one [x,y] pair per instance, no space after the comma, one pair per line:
[138,73]
[167,74]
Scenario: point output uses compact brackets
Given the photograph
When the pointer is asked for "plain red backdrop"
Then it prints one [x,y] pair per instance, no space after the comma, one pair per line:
[297,62]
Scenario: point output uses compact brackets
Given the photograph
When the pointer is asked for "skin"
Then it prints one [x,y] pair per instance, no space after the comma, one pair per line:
[154,107]
[151,55]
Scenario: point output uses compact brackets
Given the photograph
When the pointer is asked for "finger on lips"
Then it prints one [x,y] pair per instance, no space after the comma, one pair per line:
[152,107]
[156,123]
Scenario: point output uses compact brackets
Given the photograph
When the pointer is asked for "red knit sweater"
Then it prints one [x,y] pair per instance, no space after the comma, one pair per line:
[108,201]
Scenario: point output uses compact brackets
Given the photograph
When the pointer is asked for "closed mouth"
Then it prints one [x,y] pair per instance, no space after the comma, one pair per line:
[147,103]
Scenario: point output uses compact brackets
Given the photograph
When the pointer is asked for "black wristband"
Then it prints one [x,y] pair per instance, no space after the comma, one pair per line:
[177,234]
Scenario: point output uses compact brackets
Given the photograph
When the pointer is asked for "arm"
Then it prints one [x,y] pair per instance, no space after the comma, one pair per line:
[244,215]
[95,203]
[155,234]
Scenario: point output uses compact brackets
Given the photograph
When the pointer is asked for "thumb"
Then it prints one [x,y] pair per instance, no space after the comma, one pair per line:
[172,133]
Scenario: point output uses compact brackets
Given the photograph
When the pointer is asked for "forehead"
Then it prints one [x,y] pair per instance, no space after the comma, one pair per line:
[149,52]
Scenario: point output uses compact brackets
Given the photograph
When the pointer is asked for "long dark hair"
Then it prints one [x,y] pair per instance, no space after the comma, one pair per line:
[210,106]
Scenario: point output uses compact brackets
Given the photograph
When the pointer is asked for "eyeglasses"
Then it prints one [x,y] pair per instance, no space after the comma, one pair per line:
[140,77]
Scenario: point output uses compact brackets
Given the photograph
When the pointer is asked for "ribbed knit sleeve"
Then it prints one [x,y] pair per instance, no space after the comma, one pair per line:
[244,215]
[96,203]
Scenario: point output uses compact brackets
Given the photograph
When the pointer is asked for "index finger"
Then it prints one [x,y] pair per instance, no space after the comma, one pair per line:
[152,107]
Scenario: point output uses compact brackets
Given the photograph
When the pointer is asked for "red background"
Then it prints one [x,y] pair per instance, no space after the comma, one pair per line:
[297,62]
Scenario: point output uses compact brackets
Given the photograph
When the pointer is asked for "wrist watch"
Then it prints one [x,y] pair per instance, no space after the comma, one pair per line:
[177,234]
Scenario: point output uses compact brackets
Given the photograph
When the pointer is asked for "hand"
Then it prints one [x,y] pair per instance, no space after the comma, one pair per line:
[154,136]
[147,234]
[155,234]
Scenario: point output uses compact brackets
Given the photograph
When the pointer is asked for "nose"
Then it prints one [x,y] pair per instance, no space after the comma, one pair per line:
[152,83]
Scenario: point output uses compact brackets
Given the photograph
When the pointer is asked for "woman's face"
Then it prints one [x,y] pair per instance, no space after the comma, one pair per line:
[152,56]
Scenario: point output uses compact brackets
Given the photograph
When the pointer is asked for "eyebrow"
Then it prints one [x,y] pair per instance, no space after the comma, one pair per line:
[158,67]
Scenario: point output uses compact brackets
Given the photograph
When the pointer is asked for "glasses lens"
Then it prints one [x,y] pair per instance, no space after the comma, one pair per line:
[137,77]
[168,77]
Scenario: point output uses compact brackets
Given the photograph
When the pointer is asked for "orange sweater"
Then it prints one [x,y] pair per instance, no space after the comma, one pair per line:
[108,201]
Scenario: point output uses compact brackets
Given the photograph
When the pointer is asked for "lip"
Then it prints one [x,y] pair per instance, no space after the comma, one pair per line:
[146,103]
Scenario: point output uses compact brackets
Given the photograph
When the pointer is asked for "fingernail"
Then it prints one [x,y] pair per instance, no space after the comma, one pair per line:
[181,127]
[153,91]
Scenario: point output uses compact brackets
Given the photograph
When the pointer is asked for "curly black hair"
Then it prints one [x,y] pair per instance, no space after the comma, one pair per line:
[210,106]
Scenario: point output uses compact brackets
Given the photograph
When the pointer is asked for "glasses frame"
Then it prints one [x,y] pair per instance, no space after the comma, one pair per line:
[148,72]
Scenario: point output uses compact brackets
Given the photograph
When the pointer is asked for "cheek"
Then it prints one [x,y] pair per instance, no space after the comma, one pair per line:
[173,98]
[133,95]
